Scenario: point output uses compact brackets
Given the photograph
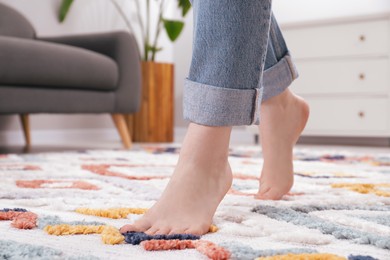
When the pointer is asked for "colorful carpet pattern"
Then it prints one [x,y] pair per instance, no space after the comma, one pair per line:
[71,205]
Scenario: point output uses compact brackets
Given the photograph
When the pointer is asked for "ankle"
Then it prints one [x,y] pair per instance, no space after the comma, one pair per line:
[281,101]
[204,145]
[204,164]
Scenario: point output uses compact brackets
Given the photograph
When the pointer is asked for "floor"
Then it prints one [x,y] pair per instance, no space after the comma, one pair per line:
[57,147]
[104,145]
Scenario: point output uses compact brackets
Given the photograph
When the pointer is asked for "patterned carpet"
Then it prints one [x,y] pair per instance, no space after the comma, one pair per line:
[70,205]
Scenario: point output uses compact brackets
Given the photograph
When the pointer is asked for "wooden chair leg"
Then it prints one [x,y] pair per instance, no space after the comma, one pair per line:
[24,119]
[120,123]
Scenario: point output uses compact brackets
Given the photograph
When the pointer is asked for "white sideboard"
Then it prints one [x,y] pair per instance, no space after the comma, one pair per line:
[344,67]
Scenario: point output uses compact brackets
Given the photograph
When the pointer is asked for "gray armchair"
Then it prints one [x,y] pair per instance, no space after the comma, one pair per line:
[96,73]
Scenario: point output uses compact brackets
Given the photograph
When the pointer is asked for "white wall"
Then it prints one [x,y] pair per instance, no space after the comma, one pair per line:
[99,15]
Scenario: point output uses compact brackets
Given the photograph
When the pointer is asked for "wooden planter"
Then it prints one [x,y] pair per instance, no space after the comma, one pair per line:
[154,121]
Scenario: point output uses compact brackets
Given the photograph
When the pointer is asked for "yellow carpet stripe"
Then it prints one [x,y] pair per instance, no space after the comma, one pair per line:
[114,213]
[213,229]
[110,235]
[303,257]
[365,188]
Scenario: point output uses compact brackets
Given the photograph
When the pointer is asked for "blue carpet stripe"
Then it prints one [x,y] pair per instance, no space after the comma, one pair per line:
[135,238]
[326,227]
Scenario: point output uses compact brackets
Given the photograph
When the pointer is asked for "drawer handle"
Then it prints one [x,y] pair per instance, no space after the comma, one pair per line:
[361,114]
[362,38]
[362,76]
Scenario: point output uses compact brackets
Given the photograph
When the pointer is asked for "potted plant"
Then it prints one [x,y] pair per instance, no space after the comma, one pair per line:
[154,121]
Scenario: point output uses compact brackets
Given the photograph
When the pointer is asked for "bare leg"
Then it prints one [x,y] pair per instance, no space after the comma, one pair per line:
[283,118]
[200,181]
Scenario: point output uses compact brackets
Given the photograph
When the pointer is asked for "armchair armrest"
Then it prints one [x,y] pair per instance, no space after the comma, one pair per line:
[122,48]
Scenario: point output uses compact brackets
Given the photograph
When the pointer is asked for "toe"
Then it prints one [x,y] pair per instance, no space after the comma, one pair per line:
[186,231]
[175,231]
[128,228]
[172,232]
[271,194]
[140,226]
[152,231]
[262,192]
[198,231]
[261,197]
[195,231]
[263,189]
[163,231]
[191,231]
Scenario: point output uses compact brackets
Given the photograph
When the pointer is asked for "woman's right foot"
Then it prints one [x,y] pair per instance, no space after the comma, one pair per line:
[283,119]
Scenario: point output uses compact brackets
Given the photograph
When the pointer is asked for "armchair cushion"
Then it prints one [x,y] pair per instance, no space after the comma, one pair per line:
[121,47]
[31,63]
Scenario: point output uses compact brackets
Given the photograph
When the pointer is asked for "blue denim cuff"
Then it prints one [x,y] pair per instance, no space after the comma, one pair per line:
[216,106]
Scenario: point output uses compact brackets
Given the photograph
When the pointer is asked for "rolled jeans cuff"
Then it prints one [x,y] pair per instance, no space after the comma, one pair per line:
[278,77]
[217,106]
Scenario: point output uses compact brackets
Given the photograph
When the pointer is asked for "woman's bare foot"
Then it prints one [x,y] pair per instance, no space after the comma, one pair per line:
[200,181]
[283,118]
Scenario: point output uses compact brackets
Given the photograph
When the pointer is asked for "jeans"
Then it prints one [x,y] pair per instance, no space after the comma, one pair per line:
[239,60]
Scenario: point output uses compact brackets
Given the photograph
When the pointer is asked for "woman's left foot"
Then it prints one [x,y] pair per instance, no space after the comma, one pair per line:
[283,118]
[199,183]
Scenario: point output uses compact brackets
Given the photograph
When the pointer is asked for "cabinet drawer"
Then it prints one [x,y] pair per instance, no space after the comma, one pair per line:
[349,39]
[353,76]
[341,116]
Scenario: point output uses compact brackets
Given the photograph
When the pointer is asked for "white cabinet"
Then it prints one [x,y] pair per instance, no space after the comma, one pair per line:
[339,40]
[344,69]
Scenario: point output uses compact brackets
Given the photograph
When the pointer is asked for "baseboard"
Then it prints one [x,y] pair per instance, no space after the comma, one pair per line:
[346,141]
[104,135]
[60,136]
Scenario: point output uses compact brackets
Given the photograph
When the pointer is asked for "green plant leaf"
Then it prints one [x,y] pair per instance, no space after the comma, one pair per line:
[64,9]
[153,49]
[185,6]
[173,28]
